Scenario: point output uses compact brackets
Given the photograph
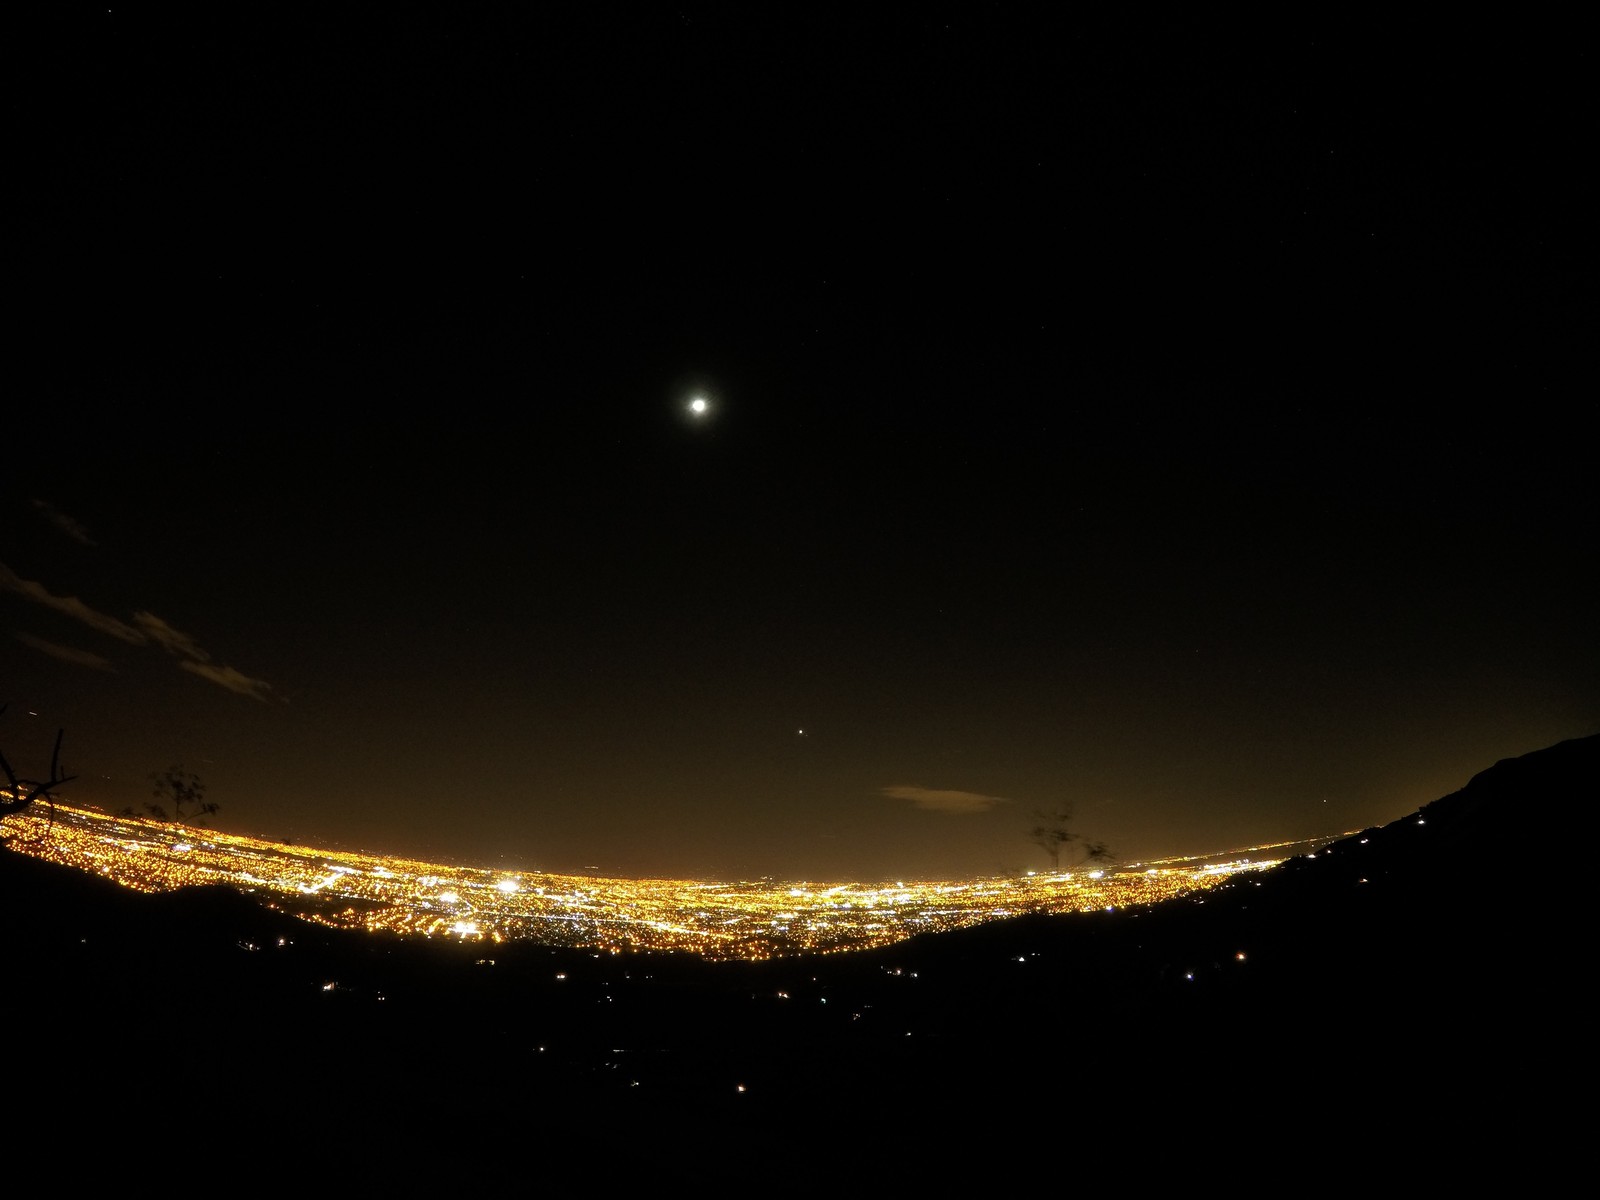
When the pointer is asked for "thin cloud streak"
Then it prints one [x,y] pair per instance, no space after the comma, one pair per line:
[234,681]
[147,628]
[936,800]
[71,606]
[168,638]
[81,658]
[67,525]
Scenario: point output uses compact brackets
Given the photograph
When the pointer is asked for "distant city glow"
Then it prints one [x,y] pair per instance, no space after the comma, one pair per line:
[714,920]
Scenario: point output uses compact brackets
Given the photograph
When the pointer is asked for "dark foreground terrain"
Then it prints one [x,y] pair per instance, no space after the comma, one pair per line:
[1403,1003]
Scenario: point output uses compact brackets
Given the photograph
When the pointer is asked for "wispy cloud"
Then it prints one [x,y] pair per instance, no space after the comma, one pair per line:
[937,800]
[147,628]
[10,581]
[227,677]
[81,658]
[73,529]
[168,638]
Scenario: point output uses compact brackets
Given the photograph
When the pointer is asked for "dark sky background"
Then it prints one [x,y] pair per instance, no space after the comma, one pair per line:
[1170,414]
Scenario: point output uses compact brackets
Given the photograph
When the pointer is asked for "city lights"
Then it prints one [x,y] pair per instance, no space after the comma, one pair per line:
[755,919]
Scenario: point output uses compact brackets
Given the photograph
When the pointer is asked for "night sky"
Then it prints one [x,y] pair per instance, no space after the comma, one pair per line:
[1169,415]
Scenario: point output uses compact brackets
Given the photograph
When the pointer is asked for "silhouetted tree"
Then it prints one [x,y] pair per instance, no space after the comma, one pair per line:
[1053,834]
[183,790]
[18,793]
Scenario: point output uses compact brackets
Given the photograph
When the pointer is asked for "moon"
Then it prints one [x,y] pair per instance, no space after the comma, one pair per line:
[699,406]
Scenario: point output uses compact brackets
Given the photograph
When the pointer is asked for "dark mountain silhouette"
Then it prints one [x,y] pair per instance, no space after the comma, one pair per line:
[1401,985]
